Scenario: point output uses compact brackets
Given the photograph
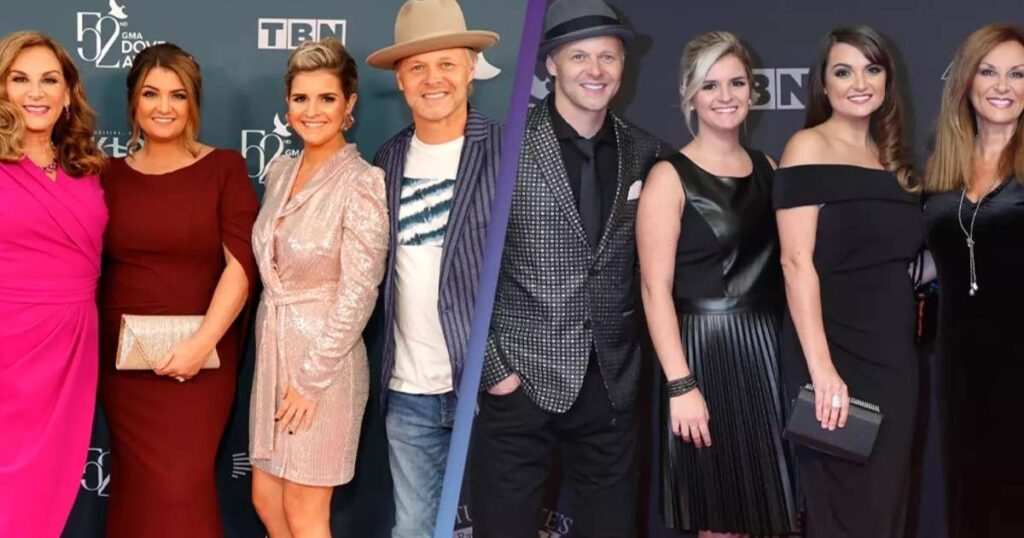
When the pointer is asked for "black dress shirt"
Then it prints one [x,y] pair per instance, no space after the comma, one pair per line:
[606,153]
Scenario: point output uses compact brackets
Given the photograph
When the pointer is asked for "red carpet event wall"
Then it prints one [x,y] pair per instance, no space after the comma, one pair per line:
[242,48]
[783,38]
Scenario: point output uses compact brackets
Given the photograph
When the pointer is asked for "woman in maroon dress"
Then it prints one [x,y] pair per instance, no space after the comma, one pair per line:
[181,215]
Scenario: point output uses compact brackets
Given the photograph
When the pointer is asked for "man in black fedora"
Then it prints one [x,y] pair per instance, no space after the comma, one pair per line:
[562,362]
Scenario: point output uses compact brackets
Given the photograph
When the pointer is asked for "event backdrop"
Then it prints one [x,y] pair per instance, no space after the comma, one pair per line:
[783,36]
[242,47]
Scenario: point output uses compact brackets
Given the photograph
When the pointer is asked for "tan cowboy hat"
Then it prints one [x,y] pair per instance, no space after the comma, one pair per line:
[428,25]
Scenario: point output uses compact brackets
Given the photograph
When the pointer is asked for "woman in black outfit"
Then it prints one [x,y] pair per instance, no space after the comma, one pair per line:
[712,291]
[849,226]
[975,231]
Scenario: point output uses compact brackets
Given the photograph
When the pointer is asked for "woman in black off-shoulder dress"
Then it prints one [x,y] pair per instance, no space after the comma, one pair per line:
[849,228]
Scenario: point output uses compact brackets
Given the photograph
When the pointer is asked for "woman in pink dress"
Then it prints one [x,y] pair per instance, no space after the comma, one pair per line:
[321,241]
[51,228]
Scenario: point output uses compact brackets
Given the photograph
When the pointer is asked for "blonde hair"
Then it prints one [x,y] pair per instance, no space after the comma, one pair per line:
[950,165]
[327,54]
[77,153]
[171,57]
[699,56]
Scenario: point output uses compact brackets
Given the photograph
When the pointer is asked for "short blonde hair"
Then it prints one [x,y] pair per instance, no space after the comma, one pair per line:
[327,54]
[699,56]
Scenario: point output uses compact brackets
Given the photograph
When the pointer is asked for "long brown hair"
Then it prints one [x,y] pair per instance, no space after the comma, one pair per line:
[171,57]
[77,153]
[950,165]
[887,121]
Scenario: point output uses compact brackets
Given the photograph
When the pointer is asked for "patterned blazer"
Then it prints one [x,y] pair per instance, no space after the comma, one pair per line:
[464,240]
[557,298]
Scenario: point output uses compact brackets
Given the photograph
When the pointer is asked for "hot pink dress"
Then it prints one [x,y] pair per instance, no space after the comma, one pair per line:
[50,243]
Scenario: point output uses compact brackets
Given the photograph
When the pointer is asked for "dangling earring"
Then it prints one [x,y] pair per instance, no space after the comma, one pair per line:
[67,113]
[350,120]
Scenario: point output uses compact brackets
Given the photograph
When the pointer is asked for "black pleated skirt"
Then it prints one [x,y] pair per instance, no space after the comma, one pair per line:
[742,482]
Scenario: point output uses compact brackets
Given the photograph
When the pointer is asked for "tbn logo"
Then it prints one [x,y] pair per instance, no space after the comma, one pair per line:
[284,34]
[780,88]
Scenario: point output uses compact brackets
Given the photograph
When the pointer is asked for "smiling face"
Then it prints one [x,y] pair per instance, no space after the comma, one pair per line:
[36,86]
[723,99]
[997,89]
[436,84]
[587,73]
[317,107]
[855,86]
[163,107]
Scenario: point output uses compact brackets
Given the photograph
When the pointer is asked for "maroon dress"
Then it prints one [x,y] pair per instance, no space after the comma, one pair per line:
[163,255]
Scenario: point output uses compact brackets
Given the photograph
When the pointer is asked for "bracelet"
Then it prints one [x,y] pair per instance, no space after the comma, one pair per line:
[679,387]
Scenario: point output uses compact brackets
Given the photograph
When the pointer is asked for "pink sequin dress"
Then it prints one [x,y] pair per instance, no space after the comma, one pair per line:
[321,256]
[51,235]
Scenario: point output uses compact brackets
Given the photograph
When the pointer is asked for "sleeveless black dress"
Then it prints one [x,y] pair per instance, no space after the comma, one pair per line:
[981,353]
[728,295]
[869,230]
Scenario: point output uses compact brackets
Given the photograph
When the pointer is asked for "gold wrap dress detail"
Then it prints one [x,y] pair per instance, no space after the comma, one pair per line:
[321,257]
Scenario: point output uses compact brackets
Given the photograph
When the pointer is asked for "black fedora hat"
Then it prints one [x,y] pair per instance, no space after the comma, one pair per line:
[566,21]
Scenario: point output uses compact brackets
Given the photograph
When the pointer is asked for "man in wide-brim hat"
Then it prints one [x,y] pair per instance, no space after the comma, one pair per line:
[440,173]
[562,364]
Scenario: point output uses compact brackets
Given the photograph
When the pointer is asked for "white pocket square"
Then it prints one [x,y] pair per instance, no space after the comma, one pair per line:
[634,190]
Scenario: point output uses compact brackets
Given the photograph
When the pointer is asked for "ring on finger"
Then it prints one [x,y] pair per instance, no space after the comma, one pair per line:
[837,401]
[179,378]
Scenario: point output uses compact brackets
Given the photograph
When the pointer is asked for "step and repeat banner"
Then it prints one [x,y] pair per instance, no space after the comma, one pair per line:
[783,38]
[242,47]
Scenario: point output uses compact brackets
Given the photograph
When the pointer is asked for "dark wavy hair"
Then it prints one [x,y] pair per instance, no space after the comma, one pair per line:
[77,152]
[887,121]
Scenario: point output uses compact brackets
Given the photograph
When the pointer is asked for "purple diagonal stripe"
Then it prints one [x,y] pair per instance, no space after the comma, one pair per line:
[512,138]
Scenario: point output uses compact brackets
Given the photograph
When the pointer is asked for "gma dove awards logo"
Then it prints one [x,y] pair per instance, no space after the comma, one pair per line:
[95,475]
[105,40]
[261,146]
[241,465]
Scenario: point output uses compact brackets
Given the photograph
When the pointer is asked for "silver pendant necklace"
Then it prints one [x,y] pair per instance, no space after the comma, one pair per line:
[969,235]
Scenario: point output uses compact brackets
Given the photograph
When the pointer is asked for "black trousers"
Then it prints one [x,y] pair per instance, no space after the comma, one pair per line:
[514,443]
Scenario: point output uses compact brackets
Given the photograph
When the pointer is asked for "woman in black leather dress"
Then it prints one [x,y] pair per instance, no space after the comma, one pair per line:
[975,231]
[849,227]
[712,291]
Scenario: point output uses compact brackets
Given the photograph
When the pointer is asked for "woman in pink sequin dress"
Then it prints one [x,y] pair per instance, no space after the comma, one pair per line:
[320,241]
[51,229]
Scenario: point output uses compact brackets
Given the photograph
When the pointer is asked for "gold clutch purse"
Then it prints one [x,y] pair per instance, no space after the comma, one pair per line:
[145,340]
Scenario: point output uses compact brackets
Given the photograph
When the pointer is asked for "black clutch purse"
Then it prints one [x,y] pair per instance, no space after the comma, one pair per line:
[852,442]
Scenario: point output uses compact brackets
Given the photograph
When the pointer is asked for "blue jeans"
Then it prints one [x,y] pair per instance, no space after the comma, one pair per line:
[419,430]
